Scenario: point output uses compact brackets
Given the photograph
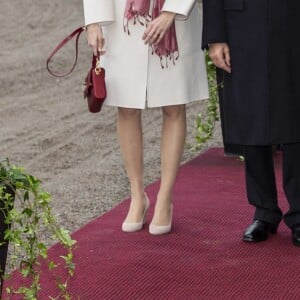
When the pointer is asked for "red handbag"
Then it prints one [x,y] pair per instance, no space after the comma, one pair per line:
[94,83]
[94,86]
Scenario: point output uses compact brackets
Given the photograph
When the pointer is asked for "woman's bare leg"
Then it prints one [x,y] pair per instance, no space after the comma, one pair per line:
[172,145]
[131,144]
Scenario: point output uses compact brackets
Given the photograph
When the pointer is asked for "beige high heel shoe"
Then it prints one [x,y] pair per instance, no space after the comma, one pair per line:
[158,229]
[136,226]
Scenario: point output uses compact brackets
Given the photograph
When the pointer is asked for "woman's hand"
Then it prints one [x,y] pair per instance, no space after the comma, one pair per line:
[157,28]
[95,38]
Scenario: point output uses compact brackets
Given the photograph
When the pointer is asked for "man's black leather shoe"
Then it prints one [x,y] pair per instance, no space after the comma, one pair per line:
[259,231]
[296,235]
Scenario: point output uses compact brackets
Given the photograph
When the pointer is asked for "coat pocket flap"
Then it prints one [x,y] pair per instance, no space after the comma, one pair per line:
[233,4]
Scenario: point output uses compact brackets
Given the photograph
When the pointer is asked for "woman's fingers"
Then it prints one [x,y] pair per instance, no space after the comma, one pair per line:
[152,34]
[159,38]
[101,40]
[158,27]
[149,33]
[95,39]
[101,44]
[151,38]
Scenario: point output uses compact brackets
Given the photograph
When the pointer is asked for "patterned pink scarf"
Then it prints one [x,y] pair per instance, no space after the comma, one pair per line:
[140,9]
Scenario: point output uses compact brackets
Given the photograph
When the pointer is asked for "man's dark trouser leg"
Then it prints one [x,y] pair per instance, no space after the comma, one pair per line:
[260,183]
[291,182]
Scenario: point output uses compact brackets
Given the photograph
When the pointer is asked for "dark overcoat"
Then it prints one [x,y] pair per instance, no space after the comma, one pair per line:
[261,100]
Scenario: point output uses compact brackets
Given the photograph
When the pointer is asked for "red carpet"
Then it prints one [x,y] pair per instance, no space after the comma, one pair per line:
[203,258]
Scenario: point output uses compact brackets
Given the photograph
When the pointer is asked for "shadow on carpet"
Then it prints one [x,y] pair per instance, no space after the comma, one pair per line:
[203,258]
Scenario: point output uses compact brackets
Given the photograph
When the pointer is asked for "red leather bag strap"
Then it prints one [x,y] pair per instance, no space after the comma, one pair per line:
[76,33]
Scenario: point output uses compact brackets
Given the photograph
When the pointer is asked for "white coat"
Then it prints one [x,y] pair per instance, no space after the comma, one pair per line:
[134,76]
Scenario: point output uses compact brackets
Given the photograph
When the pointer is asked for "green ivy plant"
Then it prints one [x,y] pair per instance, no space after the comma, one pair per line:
[206,121]
[26,207]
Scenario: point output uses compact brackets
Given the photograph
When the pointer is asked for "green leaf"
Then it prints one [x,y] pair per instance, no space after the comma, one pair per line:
[52,265]
[28,211]
[26,218]
[26,196]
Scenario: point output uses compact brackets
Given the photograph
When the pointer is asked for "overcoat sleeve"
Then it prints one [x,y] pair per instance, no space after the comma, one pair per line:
[214,30]
[99,11]
[181,7]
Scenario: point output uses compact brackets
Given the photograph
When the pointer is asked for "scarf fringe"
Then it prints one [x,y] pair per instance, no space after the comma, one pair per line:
[166,57]
[142,20]
[140,12]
